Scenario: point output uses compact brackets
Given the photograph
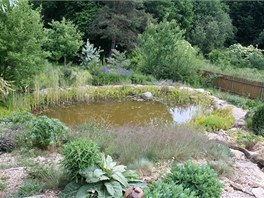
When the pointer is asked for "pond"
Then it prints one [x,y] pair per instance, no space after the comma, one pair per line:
[124,112]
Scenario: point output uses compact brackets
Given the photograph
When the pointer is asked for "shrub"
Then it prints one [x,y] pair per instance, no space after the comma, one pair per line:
[78,155]
[160,189]
[48,132]
[218,119]
[246,139]
[258,121]
[163,53]
[200,179]
[140,79]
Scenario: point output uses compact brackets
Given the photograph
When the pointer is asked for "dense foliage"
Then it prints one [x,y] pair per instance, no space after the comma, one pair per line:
[21,39]
[78,155]
[64,40]
[200,179]
[161,189]
[258,121]
[48,132]
[164,53]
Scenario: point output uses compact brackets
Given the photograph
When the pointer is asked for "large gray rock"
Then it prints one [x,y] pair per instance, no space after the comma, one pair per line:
[258,192]
[147,96]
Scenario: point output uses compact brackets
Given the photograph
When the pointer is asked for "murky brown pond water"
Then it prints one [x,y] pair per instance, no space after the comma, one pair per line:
[125,112]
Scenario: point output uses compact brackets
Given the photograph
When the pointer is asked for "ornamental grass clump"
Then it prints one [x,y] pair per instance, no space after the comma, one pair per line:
[200,179]
[78,155]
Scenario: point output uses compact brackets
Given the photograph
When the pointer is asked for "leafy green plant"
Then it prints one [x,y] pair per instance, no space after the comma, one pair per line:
[246,139]
[200,179]
[258,121]
[107,180]
[110,78]
[48,132]
[118,60]
[218,119]
[141,79]
[161,189]
[222,168]
[78,155]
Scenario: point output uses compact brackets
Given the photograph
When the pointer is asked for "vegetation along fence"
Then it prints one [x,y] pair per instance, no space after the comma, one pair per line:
[239,86]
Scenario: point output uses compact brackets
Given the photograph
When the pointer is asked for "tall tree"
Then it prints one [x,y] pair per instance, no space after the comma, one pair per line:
[120,22]
[64,40]
[248,18]
[181,11]
[21,39]
[212,26]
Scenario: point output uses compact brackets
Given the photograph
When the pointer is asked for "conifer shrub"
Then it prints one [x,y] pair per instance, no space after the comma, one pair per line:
[258,121]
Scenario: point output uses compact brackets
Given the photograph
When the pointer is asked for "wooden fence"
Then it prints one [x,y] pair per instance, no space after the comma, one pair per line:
[239,86]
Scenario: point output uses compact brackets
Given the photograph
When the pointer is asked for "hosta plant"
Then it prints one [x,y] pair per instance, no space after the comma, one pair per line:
[109,180]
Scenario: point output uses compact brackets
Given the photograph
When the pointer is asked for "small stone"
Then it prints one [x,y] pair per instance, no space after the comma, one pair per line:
[258,192]
[147,96]
[237,154]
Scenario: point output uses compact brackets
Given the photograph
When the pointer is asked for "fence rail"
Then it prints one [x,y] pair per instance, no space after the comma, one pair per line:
[239,86]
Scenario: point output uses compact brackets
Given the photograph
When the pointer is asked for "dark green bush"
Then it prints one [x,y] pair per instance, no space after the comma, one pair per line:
[48,132]
[140,79]
[200,179]
[160,189]
[78,155]
[258,121]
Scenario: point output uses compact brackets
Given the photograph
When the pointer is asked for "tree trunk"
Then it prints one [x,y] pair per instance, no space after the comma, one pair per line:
[113,45]
[65,61]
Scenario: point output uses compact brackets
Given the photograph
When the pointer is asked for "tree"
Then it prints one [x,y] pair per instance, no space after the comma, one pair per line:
[164,53]
[212,26]
[21,39]
[120,22]
[64,40]
[248,18]
[181,11]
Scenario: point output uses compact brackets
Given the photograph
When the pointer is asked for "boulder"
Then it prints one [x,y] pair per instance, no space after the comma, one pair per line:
[147,96]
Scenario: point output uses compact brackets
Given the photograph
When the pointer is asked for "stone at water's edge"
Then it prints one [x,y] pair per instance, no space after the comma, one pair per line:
[147,96]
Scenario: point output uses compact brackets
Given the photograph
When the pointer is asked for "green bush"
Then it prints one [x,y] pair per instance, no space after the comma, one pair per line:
[163,53]
[48,132]
[160,189]
[200,179]
[258,121]
[78,155]
[218,119]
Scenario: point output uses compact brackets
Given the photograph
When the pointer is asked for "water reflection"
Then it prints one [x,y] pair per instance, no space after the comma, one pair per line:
[125,112]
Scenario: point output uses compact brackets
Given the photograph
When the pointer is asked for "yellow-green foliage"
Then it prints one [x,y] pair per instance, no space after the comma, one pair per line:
[218,119]
[245,139]
[4,112]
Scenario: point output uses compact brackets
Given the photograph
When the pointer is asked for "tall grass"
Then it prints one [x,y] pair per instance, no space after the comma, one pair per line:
[129,144]
[49,97]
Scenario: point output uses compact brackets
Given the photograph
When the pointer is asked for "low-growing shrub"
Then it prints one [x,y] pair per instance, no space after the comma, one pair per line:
[258,121]
[222,168]
[48,132]
[78,155]
[110,78]
[160,189]
[218,119]
[200,179]
[143,166]
[141,79]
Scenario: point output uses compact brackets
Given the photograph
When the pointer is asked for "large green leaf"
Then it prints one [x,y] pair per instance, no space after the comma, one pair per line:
[119,168]
[114,188]
[120,178]
[70,190]
[93,175]
[88,189]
